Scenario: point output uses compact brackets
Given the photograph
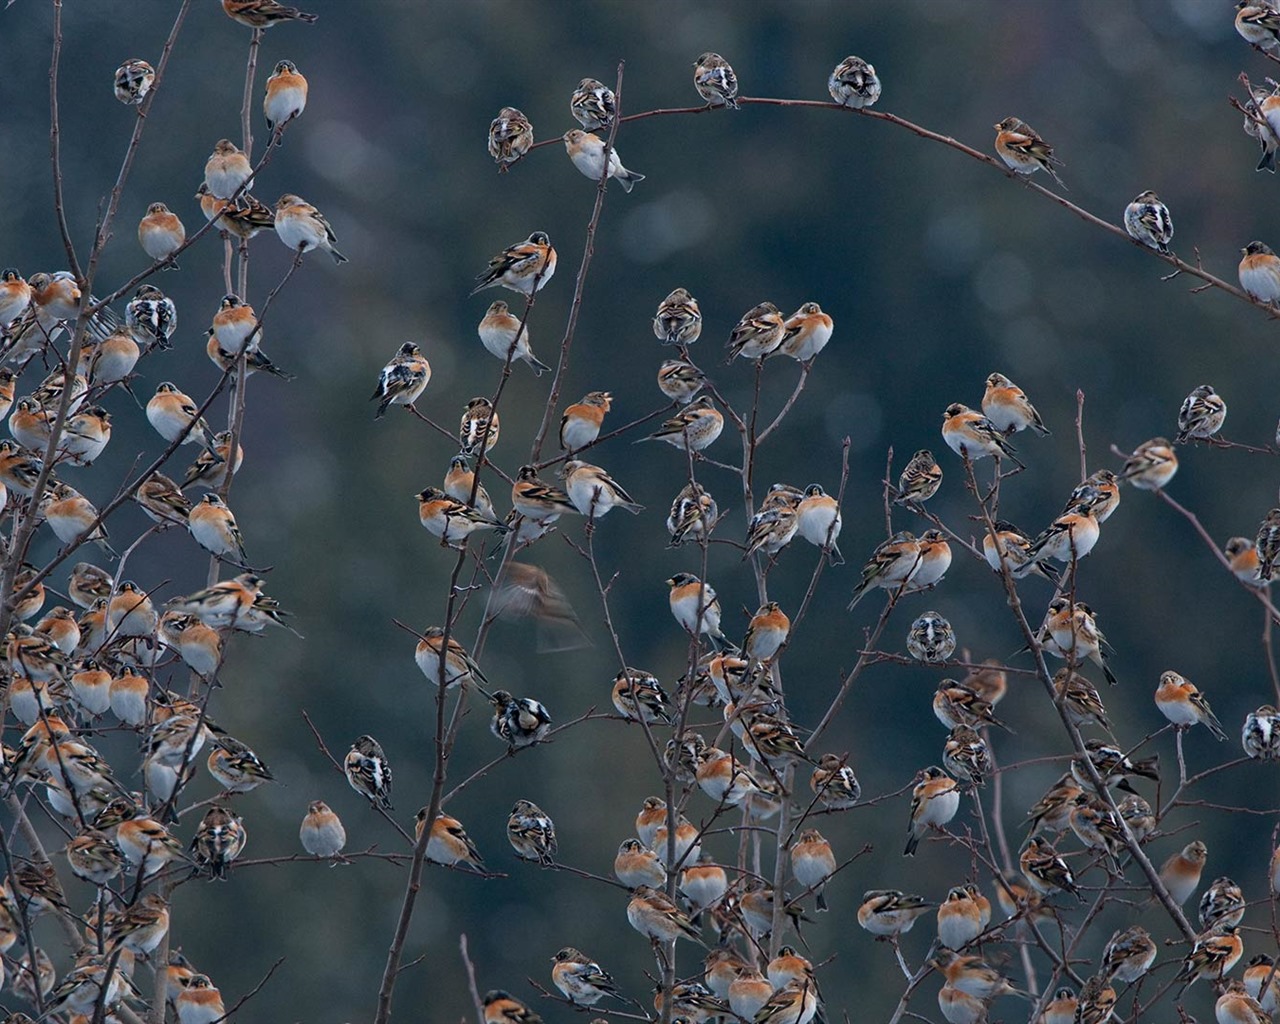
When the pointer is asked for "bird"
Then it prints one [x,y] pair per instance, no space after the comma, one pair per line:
[160,233]
[219,840]
[931,638]
[693,515]
[498,328]
[654,915]
[1052,811]
[1257,126]
[1114,766]
[368,771]
[211,467]
[227,170]
[1147,220]
[502,1008]
[113,359]
[854,83]
[920,479]
[1214,954]
[177,419]
[1223,903]
[521,267]
[152,317]
[402,380]
[892,565]
[1096,1003]
[934,802]
[579,978]
[15,296]
[448,843]
[757,335]
[518,722]
[748,993]
[1128,955]
[321,833]
[1202,414]
[966,755]
[301,227]
[286,95]
[678,320]
[955,704]
[959,918]
[1259,972]
[1267,544]
[794,1003]
[807,332]
[213,525]
[1023,151]
[1260,735]
[510,137]
[1151,466]
[680,381]
[1080,699]
[1258,23]
[933,563]
[813,862]
[537,500]
[1007,407]
[693,428]
[1181,872]
[1242,555]
[973,975]
[479,426]
[1259,272]
[581,422]
[1180,701]
[93,857]
[971,435]
[593,105]
[636,865]
[1009,547]
[1236,1006]
[890,913]
[593,492]
[72,517]
[819,522]
[639,697]
[989,681]
[586,151]
[264,14]
[1044,870]
[1071,631]
[531,833]
[694,605]
[133,81]
[766,632]
[235,766]
[716,81]
[834,784]
[1070,537]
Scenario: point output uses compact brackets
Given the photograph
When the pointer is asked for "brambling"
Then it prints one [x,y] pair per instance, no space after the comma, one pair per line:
[113,359]
[789,966]
[966,755]
[973,975]
[795,1003]
[538,500]
[635,866]
[959,918]
[255,361]
[691,1002]
[322,834]
[133,80]
[1147,220]
[1267,542]
[1097,827]
[128,697]
[1267,139]
[263,14]
[757,335]
[1242,554]
[990,682]
[955,704]
[510,137]
[593,105]
[888,913]
[770,530]
[160,233]
[755,908]
[1260,972]
[1069,537]
[854,83]
[301,227]
[480,424]
[1071,631]
[807,332]
[19,469]
[818,521]
[653,814]
[593,492]
[639,697]
[694,605]
[959,1007]
[1214,954]
[579,978]
[586,151]
[1258,23]
[176,418]
[1236,1006]
[227,170]
[581,422]
[1184,705]
[72,517]
[748,992]
[1061,1009]
[680,381]
[146,844]
[653,914]
[211,467]
[704,883]
[94,858]
[131,612]
[15,297]
[891,566]
[1202,414]
[694,428]
[214,527]
[1114,766]
[1080,699]
[1259,272]
[532,833]
[245,217]
[766,632]
[931,638]
[519,266]
[1045,871]
[693,515]
[368,771]
[460,481]
[934,802]
[286,96]
[920,479]
[1137,814]
[1128,955]
[152,317]
[498,328]
[834,784]
[518,722]
[1096,1004]
[199,646]
[812,863]
[716,81]
[31,425]
[402,380]
[1007,407]
[1023,151]
[458,667]
[1181,872]
[782,496]
[1260,735]
[684,753]
[1151,466]
[218,841]
[59,625]
[36,889]
[451,520]
[235,325]
[1222,904]
[81,988]
[678,322]
[235,767]
[1100,490]
[934,561]
[971,435]
[448,843]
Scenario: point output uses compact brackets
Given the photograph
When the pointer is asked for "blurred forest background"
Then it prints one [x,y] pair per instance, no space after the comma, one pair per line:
[937,271]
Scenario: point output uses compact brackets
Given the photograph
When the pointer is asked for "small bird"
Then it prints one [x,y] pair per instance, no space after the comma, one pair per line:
[1242,554]
[214,527]
[1114,766]
[959,918]
[1260,272]
[1257,125]
[448,843]
[973,975]
[72,516]
[694,605]
[235,766]
[819,522]
[889,913]
[1260,735]
[716,81]
[934,802]
[1147,220]
[480,425]
[678,320]
[1261,971]
[1222,904]
[459,667]
[586,150]
[113,359]
[1008,545]
[1061,1009]
[1023,151]
[219,840]
[502,1008]
[133,81]
[1071,631]
[955,704]
[1080,699]
[966,755]
[813,862]
[636,865]
[693,428]
[653,914]
[152,317]
[518,267]
[766,632]
[892,565]
[460,481]
[920,479]
[510,137]
[579,978]
[593,105]
[227,170]
[211,467]
[794,1003]
[1180,701]
[368,771]
[808,330]
[1151,466]
[176,417]
[757,335]
[971,435]
[1236,1006]
[94,857]
[704,884]
[748,993]
[538,500]
[854,83]
[1267,544]
[1181,872]
[1053,810]
[1128,955]
[1045,871]
[1097,1001]
[301,227]
[1008,409]
[834,783]
[1214,954]
[15,297]
[160,233]
[1202,414]
[1258,23]
[286,96]
[580,425]
[518,722]
[593,492]
[693,515]
[931,638]
[1070,537]
[322,834]
[498,328]
[264,14]
[402,380]
[639,697]
[531,833]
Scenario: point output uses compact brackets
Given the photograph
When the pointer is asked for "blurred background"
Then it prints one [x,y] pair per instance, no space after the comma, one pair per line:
[936,270]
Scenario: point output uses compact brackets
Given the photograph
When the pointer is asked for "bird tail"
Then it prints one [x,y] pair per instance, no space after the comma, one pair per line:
[337,256]
[627,179]
[539,367]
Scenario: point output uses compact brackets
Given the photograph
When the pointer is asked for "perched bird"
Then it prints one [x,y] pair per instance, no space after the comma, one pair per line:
[94,857]
[1257,126]
[593,492]
[176,417]
[854,83]
[451,520]
[211,467]
[480,425]
[579,978]
[653,914]
[716,81]
[1260,972]
[1080,699]
[794,1003]
[502,1008]
[235,766]
[1236,1006]
[971,435]
[1151,466]
[460,481]
[807,332]
[459,667]
[580,425]
[519,267]
[934,802]
[1061,1009]
[1181,872]
[586,150]
[973,975]
[302,227]
[518,722]
[757,335]
[636,865]
[160,233]
[531,833]
[1259,272]
[368,771]
[959,918]
[448,843]
[1070,631]
[263,14]
[1114,766]
[920,479]
[1045,871]
[1023,151]
[133,81]
[286,96]
[693,428]
[1147,220]
[1258,23]
[1214,954]
[1184,705]
[322,834]
[152,317]
[766,632]
[538,500]
[813,862]
[227,170]
[498,328]
[593,105]
[1267,544]
[834,784]
[819,522]
[1053,810]
[694,605]
[1070,537]
[1223,903]
[678,320]
[966,755]
[214,527]
[113,359]
[931,638]
[693,515]
[1007,407]
[1242,555]
[639,697]
[770,530]
[510,137]
[955,704]
[1097,1001]
[748,993]
[892,565]
[704,884]
[1260,735]
[402,380]
[218,841]
[888,913]
[15,296]
[1128,955]
[989,681]
[1201,415]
